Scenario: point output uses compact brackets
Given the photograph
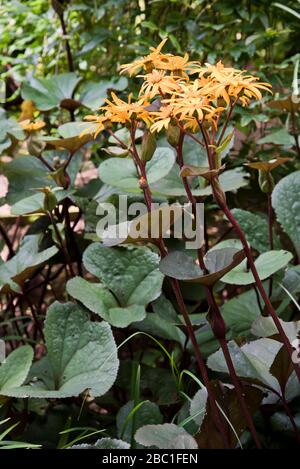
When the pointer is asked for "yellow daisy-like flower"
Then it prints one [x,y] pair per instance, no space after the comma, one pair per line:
[162,118]
[228,82]
[147,62]
[32,126]
[176,64]
[123,112]
[158,83]
[192,101]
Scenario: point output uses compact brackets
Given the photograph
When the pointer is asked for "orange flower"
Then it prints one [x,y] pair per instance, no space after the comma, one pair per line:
[176,64]
[227,82]
[157,82]
[192,101]
[162,118]
[32,126]
[123,112]
[147,62]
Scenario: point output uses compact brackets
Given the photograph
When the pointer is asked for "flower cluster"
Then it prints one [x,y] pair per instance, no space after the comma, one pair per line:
[180,92]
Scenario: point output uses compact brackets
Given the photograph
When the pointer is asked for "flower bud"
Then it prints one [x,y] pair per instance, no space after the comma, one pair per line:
[143,183]
[50,200]
[266,181]
[173,134]
[35,146]
[61,177]
[148,146]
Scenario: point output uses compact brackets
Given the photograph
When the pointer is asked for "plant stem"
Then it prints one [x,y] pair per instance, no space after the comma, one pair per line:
[220,424]
[219,329]
[259,284]
[61,242]
[71,236]
[7,241]
[220,199]
[271,240]
[67,44]
[216,320]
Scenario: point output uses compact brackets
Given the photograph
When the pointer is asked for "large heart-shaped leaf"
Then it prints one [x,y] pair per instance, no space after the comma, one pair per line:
[130,280]
[218,262]
[103,443]
[82,355]
[24,175]
[131,274]
[266,264]
[122,173]
[16,270]
[252,360]
[48,93]
[166,436]
[286,203]
[101,301]
[256,229]
[92,94]
[14,370]
[171,185]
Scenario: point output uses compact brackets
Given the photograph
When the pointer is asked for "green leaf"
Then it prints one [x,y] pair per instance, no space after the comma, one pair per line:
[266,264]
[35,202]
[278,137]
[155,324]
[131,274]
[24,174]
[98,299]
[47,93]
[82,355]
[15,368]
[104,443]
[9,129]
[265,327]
[286,203]
[121,172]
[240,311]
[72,144]
[164,308]
[198,406]
[255,228]
[16,270]
[92,94]
[171,185]
[148,412]
[166,436]
[252,360]
[218,262]
[74,129]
